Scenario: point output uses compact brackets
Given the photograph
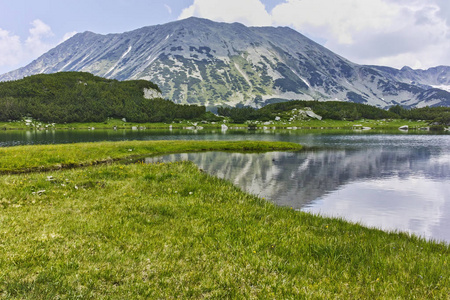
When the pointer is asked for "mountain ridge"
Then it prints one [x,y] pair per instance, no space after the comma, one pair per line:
[199,61]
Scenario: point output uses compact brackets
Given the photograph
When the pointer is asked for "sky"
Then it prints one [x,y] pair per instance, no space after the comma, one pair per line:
[394,33]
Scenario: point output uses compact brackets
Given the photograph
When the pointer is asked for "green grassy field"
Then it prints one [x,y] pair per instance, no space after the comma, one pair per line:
[163,231]
[314,124]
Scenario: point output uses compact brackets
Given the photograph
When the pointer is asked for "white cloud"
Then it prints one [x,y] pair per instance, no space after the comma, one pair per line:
[10,48]
[248,12]
[35,43]
[15,52]
[337,19]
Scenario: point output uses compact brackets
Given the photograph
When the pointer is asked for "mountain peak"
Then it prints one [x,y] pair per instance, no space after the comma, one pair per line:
[197,60]
[406,69]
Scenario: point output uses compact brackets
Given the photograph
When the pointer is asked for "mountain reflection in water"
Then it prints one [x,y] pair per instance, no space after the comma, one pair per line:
[392,189]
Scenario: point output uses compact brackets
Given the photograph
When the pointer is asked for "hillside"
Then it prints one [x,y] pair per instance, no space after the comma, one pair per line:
[198,61]
[83,97]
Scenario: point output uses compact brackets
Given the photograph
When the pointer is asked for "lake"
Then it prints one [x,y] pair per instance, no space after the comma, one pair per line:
[388,181]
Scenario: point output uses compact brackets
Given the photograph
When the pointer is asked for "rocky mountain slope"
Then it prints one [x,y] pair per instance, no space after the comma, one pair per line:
[199,61]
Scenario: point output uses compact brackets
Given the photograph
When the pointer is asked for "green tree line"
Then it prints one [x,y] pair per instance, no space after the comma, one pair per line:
[440,115]
[338,110]
[334,110]
[83,97]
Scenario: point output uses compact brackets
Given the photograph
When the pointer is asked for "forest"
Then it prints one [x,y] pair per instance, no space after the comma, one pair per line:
[439,115]
[338,110]
[82,97]
[333,110]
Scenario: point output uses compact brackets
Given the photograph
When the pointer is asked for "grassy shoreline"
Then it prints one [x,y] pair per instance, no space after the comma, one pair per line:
[307,124]
[140,231]
[21,159]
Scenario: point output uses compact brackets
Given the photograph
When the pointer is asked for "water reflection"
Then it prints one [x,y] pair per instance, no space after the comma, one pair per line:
[412,204]
[403,189]
[325,139]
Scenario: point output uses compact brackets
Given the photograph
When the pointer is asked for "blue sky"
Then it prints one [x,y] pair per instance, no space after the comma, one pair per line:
[384,32]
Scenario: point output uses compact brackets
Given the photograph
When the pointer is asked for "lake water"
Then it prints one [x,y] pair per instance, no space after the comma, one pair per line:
[389,181]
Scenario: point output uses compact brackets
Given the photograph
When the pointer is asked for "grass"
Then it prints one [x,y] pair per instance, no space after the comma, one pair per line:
[373,124]
[109,124]
[168,230]
[47,157]
[306,124]
[171,231]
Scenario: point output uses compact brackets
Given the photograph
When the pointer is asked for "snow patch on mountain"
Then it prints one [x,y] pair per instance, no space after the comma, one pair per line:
[442,87]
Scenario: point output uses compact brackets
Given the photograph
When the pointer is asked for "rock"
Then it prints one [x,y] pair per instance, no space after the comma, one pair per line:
[151,94]
[313,115]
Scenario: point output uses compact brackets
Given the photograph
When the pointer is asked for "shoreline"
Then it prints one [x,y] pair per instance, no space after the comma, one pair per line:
[40,158]
[305,125]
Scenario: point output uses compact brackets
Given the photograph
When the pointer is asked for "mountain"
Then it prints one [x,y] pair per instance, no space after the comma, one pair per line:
[199,61]
[437,77]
